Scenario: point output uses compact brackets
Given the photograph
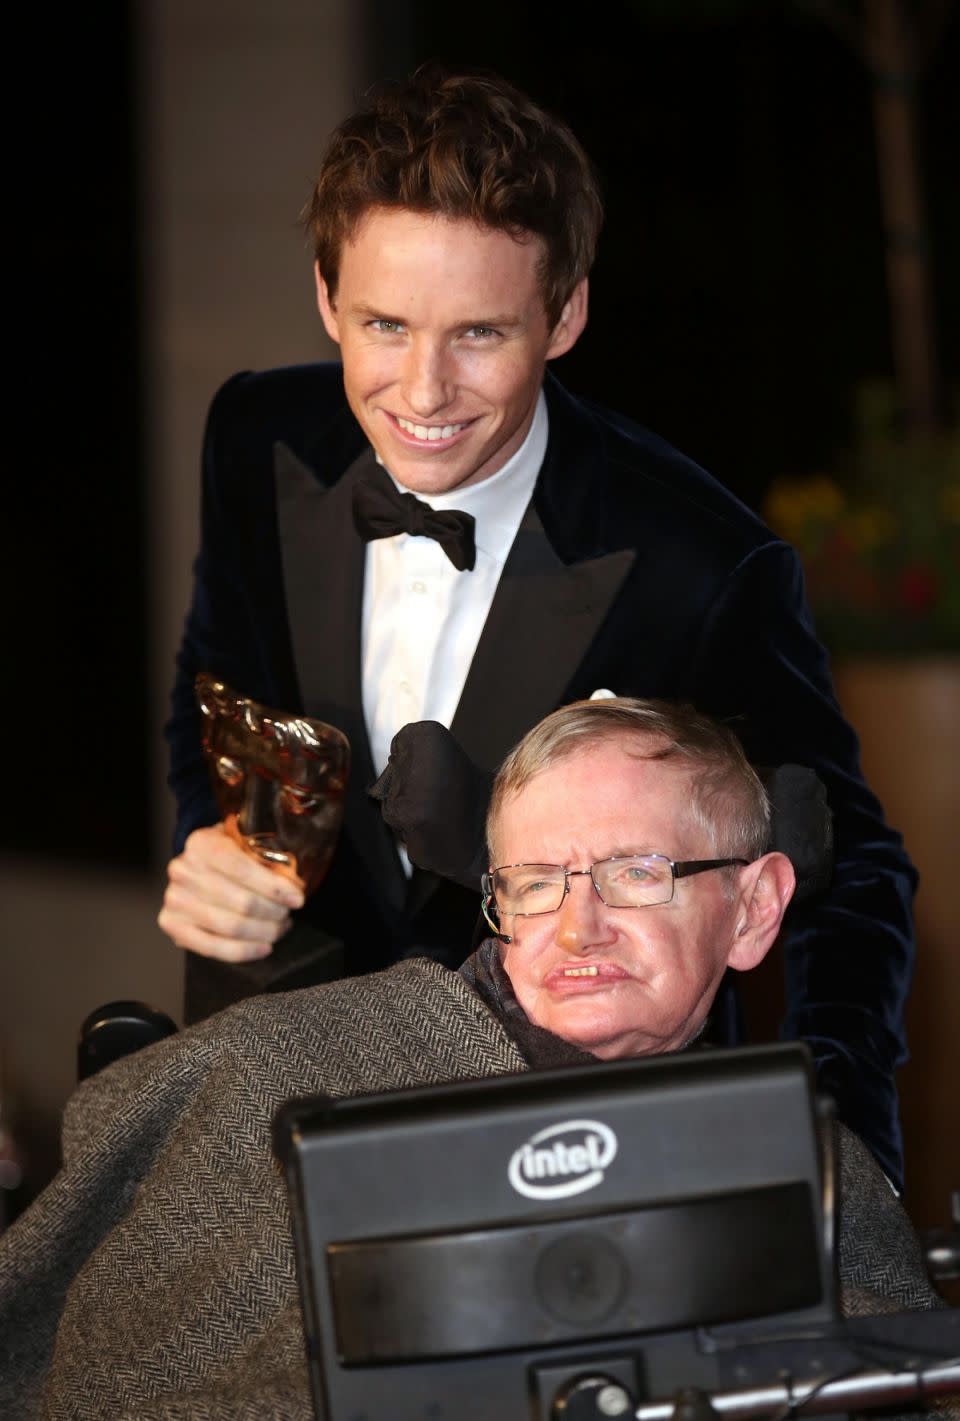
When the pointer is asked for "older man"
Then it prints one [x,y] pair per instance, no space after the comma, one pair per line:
[598,816]
[155,1278]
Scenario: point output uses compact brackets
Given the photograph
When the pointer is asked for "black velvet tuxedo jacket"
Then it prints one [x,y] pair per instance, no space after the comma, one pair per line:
[634,571]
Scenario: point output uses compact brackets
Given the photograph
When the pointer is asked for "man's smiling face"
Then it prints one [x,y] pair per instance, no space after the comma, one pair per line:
[618,981]
[444,339]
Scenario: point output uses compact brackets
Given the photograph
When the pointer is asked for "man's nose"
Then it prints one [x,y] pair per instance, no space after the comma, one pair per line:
[581,917]
[427,385]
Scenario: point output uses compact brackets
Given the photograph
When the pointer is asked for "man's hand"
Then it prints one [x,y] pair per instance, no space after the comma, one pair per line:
[222,902]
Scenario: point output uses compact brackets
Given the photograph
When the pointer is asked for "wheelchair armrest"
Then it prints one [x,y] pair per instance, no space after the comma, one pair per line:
[114,1030]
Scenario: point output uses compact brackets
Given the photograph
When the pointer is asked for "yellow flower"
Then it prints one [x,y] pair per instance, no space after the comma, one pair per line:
[825,499]
[793,504]
[871,527]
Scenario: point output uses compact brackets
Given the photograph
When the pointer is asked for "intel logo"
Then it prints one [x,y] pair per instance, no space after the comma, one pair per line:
[562,1160]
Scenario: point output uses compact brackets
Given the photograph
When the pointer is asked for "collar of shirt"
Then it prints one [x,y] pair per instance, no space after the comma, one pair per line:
[499,502]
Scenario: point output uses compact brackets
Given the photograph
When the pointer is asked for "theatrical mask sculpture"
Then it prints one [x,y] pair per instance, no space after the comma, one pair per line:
[278,780]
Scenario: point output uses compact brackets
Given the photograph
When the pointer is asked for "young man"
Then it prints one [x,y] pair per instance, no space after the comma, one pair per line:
[454,226]
[156,1277]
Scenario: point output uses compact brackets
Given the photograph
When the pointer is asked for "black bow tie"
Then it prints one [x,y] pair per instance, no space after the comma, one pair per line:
[380,511]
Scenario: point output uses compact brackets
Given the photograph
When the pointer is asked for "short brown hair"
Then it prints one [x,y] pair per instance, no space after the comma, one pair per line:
[727,798]
[464,146]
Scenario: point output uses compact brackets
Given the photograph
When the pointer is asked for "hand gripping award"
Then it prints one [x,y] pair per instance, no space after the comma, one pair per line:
[279,781]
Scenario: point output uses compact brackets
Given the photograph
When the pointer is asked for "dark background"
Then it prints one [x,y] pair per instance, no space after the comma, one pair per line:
[738,298]
[75,537]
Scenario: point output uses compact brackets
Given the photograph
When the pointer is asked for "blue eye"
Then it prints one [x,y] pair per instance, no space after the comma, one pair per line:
[636,874]
[526,891]
[633,877]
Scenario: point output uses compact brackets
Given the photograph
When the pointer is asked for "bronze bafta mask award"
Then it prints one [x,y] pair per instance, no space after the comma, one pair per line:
[278,779]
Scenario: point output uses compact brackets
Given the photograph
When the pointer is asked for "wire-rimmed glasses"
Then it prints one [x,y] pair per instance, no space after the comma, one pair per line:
[629,881]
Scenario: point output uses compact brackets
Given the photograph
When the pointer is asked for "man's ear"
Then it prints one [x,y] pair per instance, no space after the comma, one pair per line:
[573,318]
[766,887]
[328,310]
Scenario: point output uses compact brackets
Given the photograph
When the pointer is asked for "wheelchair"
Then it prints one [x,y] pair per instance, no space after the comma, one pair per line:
[585,1383]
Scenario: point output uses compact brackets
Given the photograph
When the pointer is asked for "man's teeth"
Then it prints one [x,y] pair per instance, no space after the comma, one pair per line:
[580,972]
[429,431]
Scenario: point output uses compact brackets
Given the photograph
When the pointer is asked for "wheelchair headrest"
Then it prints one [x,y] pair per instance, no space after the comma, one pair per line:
[801,825]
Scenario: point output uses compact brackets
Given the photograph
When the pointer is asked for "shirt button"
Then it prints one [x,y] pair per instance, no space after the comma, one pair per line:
[404,686]
[418,586]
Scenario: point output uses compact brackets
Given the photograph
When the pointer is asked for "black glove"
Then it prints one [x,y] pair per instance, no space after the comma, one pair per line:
[435,799]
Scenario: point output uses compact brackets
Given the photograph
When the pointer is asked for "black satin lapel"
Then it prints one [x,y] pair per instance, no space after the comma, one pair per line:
[544,616]
[323,580]
[323,559]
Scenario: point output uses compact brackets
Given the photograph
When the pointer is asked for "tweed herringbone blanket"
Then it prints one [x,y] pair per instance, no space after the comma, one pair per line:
[165,1240]
[154,1279]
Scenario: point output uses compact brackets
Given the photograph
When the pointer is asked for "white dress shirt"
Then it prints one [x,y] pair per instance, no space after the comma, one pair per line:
[422,618]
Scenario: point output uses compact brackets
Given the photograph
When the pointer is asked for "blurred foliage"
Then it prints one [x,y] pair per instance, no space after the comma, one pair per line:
[879,536]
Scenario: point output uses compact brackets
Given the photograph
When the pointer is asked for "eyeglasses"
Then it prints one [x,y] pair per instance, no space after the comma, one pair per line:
[637,881]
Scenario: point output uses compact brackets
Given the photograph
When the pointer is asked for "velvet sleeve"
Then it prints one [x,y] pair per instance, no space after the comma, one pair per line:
[848,954]
[219,630]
